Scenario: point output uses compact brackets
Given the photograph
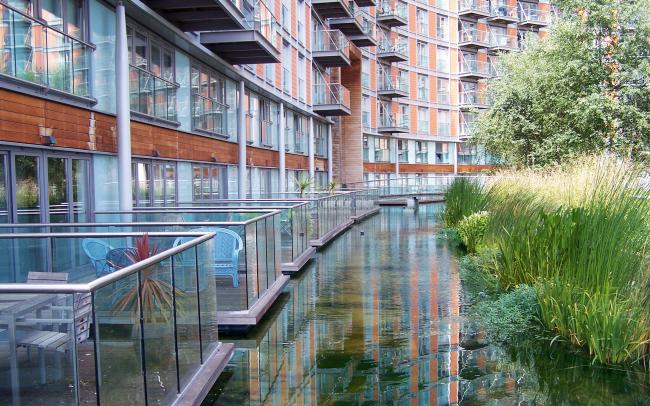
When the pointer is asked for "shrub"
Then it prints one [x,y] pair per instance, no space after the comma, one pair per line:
[463,197]
[472,228]
[510,316]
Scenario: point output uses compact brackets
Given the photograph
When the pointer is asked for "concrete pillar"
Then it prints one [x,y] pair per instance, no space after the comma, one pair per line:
[310,150]
[454,156]
[123,110]
[330,157]
[282,167]
[241,138]
[395,146]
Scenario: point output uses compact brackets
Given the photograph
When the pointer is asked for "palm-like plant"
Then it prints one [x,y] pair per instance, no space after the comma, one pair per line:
[331,187]
[302,185]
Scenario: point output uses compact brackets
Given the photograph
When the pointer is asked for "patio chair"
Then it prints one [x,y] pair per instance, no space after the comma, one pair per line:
[97,250]
[77,318]
[225,255]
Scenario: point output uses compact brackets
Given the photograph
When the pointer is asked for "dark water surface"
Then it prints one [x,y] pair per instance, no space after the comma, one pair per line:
[378,318]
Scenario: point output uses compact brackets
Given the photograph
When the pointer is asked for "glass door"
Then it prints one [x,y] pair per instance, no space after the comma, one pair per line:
[4,203]
[27,189]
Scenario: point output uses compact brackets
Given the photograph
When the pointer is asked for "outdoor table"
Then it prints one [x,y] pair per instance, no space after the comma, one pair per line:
[12,307]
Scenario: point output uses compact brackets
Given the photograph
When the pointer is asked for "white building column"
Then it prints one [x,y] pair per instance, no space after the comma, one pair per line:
[123,110]
[395,146]
[241,138]
[310,151]
[282,168]
[330,158]
[455,157]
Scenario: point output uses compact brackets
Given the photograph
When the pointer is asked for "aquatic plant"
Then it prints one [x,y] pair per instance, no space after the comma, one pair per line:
[472,228]
[463,197]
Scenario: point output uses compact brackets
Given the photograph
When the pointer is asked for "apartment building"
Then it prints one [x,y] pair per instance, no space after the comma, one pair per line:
[109,104]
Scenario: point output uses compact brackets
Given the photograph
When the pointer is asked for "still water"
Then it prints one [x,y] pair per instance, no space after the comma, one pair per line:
[378,318]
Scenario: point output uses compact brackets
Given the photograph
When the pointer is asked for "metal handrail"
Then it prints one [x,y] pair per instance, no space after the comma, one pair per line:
[503,10]
[268,213]
[330,40]
[474,5]
[107,279]
[474,35]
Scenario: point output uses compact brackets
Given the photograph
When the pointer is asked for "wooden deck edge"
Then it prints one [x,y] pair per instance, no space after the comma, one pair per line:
[295,266]
[205,377]
[255,313]
[369,213]
[324,240]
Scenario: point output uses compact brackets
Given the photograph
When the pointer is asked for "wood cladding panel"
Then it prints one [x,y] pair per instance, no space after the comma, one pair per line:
[425,168]
[475,168]
[379,167]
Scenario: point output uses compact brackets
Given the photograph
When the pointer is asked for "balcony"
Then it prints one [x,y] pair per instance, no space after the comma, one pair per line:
[474,8]
[392,86]
[382,155]
[359,28]
[532,17]
[332,8]
[473,39]
[467,123]
[42,55]
[331,99]
[474,69]
[255,43]
[365,3]
[201,15]
[390,15]
[208,115]
[500,42]
[151,95]
[473,99]
[391,124]
[330,48]
[504,14]
[389,52]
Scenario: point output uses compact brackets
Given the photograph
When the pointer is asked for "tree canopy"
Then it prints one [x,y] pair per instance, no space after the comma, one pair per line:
[584,88]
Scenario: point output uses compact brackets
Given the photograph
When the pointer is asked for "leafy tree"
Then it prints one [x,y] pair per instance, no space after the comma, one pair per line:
[581,89]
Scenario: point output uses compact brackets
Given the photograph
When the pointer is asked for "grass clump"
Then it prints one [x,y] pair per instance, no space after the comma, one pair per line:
[472,228]
[580,235]
[463,197]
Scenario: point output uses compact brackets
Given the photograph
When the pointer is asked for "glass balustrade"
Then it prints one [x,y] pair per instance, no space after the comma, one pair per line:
[208,114]
[152,95]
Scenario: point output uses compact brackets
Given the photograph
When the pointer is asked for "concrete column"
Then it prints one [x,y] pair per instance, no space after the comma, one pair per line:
[395,147]
[123,110]
[330,155]
[282,167]
[241,138]
[310,150]
[455,157]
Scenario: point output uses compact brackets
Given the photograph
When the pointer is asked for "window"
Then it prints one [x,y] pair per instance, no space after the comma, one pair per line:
[403,151]
[302,82]
[443,123]
[442,152]
[423,22]
[442,28]
[402,80]
[382,150]
[209,182]
[404,114]
[300,21]
[269,72]
[467,154]
[403,43]
[467,121]
[422,51]
[67,16]
[423,120]
[442,90]
[423,87]
[365,111]
[152,85]
[443,4]
[320,139]
[442,60]
[286,65]
[421,152]
[208,95]
[154,183]
[365,72]
[267,114]
[365,148]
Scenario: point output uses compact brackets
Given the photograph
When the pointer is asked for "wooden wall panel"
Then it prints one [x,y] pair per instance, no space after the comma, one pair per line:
[425,168]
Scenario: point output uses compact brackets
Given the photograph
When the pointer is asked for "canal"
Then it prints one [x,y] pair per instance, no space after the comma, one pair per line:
[378,318]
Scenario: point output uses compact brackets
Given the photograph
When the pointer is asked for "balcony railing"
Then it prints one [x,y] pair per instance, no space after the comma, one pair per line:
[504,11]
[474,67]
[474,98]
[40,54]
[152,95]
[366,22]
[392,121]
[388,45]
[393,83]
[260,19]
[474,6]
[331,93]
[532,15]
[474,36]
[208,114]
[330,41]
[392,13]
[503,41]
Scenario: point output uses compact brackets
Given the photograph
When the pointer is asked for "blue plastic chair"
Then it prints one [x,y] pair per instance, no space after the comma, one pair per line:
[97,250]
[227,246]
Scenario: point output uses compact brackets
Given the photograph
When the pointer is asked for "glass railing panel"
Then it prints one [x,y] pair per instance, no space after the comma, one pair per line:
[43,55]
[482,6]
[475,35]
[504,10]
[208,114]
[152,95]
[260,19]
[330,40]
[503,41]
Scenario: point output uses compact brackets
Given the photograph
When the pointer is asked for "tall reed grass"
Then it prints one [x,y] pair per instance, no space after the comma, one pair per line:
[580,235]
[463,197]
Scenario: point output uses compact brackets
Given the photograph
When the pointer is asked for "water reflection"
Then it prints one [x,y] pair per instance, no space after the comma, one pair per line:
[376,319]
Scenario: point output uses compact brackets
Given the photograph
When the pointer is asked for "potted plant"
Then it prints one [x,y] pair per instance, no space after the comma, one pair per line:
[302,185]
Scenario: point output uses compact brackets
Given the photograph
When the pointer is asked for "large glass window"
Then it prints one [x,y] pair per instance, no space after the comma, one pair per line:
[423,87]
[365,111]
[320,139]
[365,72]
[442,152]
[382,150]
[442,90]
[27,189]
[443,123]
[423,120]
[423,21]
[403,151]
[209,182]
[422,51]
[442,27]
[208,101]
[442,60]
[154,183]
[421,152]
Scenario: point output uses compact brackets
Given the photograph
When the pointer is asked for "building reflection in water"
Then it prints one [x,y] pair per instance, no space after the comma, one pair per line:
[374,319]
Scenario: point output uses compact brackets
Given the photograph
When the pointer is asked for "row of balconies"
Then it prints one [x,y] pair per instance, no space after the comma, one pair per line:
[529,15]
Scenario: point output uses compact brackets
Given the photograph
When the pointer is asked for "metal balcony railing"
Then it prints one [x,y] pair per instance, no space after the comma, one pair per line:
[208,114]
[331,93]
[532,15]
[474,66]
[152,95]
[388,8]
[503,41]
[393,82]
[476,6]
[504,10]
[365,20]
[44,55]
[387,45]
[259,18]
[330,40]
[474,98]
[474,36]
[392,121]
